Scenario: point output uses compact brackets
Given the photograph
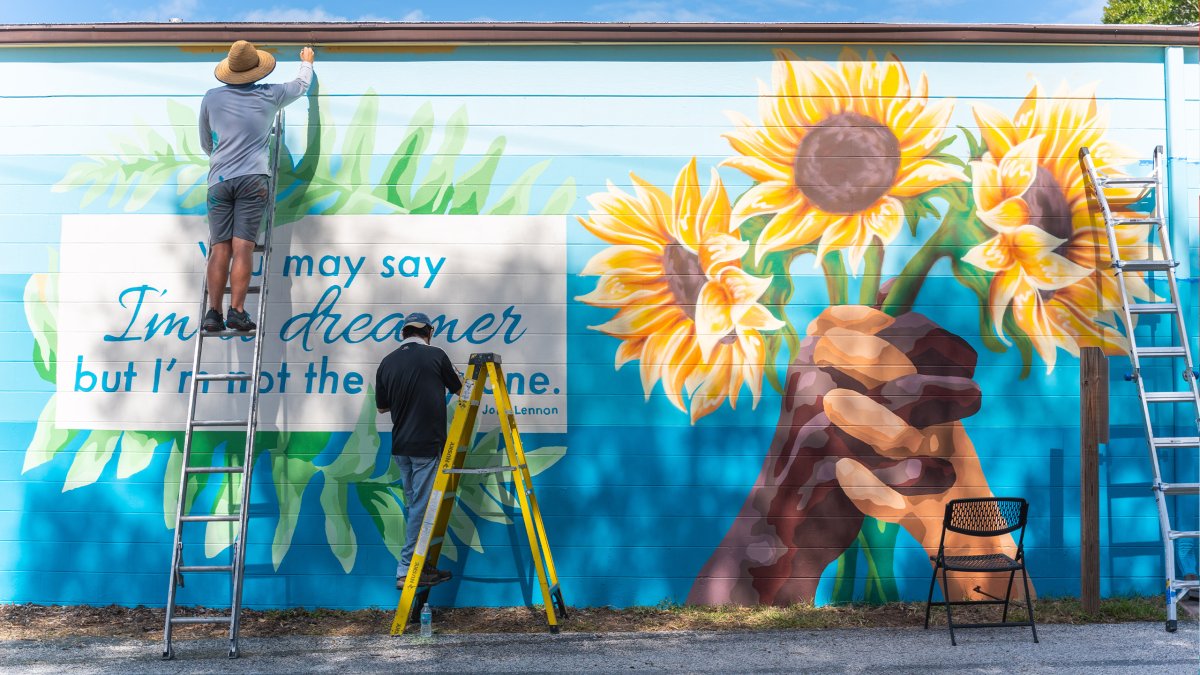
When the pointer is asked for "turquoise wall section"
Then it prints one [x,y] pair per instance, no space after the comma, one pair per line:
[648,487]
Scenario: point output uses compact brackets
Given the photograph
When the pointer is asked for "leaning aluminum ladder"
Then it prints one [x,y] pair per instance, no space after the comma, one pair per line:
[1176,589]
[200,380]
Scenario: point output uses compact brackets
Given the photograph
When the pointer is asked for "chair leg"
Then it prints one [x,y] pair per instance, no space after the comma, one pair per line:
[929,602]
[1029,603]
[949,613]
[1008,595]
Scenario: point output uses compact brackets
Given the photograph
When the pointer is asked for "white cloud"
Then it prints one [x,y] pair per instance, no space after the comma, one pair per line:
[293,15]
[319,15]
[635,11]
[163,11]
[1089,11]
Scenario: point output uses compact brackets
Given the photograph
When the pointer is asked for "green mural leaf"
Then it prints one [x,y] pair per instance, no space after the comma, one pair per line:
[402,167]
[975,147]
[464,528]
[219,535]
[544,457]
[291,477]
[91,459]
[561,200]
[877,540]
[41,312]
[515,200]
[387,514]
[471,191]
[338,530]
[171,483]
[48,439]
[359,455]
[137,451]
[204,446]
[435,191]
[449,549]
[183,120]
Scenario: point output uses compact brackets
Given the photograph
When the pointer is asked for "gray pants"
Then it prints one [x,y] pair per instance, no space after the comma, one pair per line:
[416,474]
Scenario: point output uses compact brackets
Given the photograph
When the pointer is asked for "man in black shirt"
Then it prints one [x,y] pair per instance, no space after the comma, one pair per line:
[411,384]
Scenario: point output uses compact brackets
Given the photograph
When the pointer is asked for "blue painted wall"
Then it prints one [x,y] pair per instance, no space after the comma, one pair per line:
[645,494]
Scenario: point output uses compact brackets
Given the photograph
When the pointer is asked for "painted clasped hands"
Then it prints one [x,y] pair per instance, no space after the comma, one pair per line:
[908,384]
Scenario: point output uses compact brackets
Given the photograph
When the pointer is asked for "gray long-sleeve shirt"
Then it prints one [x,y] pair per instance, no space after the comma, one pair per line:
[235,124]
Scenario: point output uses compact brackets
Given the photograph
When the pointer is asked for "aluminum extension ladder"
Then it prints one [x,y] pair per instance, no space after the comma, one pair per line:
[481,368]
[1176,589]
[200,380]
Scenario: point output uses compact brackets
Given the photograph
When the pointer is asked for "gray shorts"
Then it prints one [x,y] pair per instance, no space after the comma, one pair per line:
[236,207]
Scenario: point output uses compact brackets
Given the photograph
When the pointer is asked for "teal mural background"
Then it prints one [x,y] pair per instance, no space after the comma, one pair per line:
[642,496]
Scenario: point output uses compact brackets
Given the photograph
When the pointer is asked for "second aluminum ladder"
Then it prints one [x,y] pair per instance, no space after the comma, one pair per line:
[1178,353]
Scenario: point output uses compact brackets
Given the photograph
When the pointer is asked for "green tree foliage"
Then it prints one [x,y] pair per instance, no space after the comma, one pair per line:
[1152,11]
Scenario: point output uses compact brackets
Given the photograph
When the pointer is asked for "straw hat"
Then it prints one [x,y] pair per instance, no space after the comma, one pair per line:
[244,64]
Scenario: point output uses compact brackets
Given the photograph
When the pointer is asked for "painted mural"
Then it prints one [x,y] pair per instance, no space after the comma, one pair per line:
[872,395]
[795,320]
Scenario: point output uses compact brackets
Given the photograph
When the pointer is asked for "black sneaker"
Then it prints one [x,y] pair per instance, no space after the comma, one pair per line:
[213,322]
[239,321]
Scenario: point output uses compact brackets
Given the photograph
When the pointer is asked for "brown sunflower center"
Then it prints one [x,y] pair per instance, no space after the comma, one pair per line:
[1049,210]
[684,276]
[847,162]
[1048,207]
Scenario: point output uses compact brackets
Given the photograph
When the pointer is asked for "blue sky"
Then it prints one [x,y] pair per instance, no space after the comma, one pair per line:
[951,11]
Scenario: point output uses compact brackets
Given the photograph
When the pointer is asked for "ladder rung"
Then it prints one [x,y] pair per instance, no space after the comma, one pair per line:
[259,248]
[251,290]
[1186,583]
[1160,351]
[1179,442]
[210,519]
[1136,221]
[214,469]
[219,423]
[1179,488]
[223,377]
[1184,534]
[1168,396]
[206,568]
[1153,308]
[1145,265]
[484,470]
[200,619]
[1127,181]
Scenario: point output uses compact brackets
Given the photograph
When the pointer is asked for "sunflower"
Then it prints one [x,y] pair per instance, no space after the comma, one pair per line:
[686,308]
[838,148]
[1049,256]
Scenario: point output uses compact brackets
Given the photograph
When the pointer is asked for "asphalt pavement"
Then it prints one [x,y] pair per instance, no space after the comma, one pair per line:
[1104,648]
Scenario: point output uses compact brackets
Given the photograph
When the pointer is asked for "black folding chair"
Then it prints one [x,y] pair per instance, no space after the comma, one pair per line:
[982,517]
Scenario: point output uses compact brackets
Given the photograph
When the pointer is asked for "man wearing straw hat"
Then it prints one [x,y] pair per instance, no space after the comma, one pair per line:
[235,125]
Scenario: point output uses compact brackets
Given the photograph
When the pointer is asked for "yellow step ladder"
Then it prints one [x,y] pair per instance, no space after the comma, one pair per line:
[445,487]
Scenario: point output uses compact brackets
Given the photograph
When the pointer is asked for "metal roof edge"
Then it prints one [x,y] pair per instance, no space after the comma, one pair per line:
[590,33]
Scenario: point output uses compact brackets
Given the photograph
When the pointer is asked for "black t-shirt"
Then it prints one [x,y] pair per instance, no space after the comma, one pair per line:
[411,383]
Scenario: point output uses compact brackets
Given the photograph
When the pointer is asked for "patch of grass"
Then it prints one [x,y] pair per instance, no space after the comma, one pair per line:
[31,622]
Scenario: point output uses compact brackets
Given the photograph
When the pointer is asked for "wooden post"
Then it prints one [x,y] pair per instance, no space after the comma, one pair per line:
[1093,430]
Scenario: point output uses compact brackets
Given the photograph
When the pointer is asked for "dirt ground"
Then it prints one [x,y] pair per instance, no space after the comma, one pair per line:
[26,622]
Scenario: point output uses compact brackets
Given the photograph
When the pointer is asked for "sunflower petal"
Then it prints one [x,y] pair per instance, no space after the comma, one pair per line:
[924,175]
[713,317]
[684,226]
[765,198]
[997,130]
[792,227]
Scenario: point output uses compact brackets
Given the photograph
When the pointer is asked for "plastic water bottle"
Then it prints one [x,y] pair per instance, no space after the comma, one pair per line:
[426,621]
